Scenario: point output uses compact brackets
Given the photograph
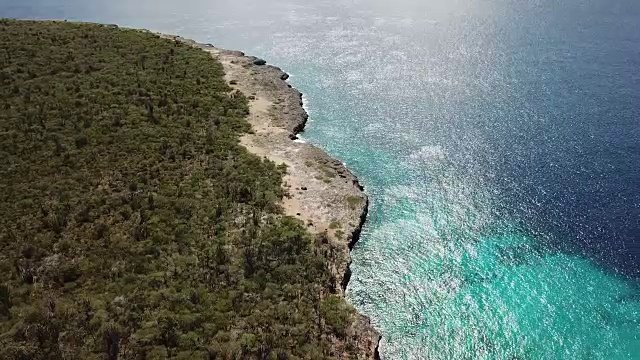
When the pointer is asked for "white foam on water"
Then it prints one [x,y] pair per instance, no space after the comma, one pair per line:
[305,106]
[428,153]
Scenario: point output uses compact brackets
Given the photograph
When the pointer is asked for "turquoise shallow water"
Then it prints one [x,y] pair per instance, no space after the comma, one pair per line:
[499,142]
[446,277]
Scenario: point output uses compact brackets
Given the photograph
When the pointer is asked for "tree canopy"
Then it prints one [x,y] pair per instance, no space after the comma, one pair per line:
[132,223]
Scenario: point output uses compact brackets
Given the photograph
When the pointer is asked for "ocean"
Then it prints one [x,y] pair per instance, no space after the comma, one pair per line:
[498,140]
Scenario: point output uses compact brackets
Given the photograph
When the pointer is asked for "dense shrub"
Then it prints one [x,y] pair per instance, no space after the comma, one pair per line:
[132,224]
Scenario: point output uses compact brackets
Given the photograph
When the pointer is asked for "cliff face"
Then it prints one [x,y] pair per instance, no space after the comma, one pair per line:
[322,192]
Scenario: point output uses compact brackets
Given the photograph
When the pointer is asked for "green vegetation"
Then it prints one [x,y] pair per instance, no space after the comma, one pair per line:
[327,170]
[132,224]
[336,313]
[354,201]
[326,173]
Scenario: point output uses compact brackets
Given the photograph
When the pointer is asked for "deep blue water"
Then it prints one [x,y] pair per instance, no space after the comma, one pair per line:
[499,141]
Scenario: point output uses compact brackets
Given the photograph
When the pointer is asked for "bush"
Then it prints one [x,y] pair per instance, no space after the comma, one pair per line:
[336,313]
[157,233]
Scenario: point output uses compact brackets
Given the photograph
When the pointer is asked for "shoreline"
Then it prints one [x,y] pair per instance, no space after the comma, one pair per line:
[320,190]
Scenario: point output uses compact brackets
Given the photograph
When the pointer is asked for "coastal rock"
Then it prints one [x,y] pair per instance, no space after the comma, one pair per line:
[331,200]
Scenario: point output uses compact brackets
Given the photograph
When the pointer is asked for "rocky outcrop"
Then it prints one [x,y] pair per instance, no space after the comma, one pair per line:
[322,192]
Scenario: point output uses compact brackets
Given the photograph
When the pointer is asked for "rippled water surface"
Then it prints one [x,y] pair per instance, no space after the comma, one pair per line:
[499,141]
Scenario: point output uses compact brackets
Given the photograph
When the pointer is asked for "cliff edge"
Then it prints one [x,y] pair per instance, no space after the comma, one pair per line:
[320,190]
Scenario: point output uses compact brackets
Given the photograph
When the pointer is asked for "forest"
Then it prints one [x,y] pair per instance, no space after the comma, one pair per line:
[132,223]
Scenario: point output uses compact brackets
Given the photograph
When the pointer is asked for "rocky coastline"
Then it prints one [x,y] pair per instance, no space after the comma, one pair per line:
[321,191]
